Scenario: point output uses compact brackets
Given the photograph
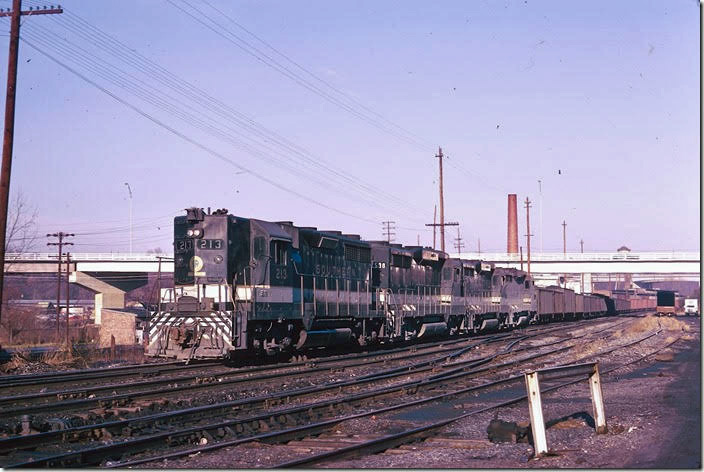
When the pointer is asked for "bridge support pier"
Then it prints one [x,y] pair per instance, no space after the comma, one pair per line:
[106,295]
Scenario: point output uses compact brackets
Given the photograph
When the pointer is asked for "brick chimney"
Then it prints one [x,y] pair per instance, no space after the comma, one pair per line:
[512,240]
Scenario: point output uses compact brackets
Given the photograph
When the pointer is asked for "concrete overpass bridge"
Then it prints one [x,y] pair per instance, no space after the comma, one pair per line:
[110,275]
[585,269]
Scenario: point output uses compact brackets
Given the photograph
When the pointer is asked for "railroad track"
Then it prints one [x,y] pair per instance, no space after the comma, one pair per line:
[313,428]
[86,397]
[385,442]
[251,425]
[15,404]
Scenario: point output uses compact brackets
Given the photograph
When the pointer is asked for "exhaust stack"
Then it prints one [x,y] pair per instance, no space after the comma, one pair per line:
[512,239]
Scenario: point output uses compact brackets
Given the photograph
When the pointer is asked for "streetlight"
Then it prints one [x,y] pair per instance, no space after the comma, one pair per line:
[130,191]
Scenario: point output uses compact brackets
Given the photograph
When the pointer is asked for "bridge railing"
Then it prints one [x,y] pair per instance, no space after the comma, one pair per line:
[87,256]
[586,256]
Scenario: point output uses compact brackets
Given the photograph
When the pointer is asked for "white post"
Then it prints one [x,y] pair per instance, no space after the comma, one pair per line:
[535,407]
[597,401]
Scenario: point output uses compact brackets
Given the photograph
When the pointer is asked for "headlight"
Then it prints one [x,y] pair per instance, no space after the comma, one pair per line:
[197,233]
[218,259]
[189,233]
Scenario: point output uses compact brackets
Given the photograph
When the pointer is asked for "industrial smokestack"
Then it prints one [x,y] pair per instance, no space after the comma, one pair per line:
[512,239]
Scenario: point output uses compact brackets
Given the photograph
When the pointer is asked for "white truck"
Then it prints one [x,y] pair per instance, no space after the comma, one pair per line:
[691,306]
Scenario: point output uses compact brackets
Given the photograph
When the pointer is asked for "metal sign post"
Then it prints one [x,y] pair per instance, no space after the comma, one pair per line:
[535,405]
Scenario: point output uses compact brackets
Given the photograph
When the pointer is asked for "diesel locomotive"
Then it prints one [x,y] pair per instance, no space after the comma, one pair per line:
[255,287]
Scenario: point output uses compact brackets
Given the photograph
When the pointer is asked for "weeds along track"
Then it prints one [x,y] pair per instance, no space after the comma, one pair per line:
[245,419]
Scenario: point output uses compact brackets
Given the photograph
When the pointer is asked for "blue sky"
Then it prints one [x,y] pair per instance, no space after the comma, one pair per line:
[605,92]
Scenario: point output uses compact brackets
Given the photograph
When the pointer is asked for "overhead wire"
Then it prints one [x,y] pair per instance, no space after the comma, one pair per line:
[134,59]
[158,102]
[315,76]
[204,19]
[408,228]
[190,140]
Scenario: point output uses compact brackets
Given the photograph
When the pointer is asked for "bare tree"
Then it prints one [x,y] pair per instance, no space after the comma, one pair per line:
[21,236]
[21,225]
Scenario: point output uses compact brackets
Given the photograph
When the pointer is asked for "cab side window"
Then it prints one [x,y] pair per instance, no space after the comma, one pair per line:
[259,247]
[278,252]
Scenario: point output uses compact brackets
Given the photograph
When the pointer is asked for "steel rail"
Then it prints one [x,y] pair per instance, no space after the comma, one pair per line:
[42,438]
[104,373]
[393,440]
[219,379]
[31,441]
[383,356]
[148,441]
[90,374]
[317,427]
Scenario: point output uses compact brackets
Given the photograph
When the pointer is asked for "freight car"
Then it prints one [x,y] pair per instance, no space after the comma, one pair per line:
[665,302]
[261,288]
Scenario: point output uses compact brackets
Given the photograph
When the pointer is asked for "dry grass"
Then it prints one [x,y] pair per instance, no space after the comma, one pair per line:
[19,361]
[652,323]
[64,358]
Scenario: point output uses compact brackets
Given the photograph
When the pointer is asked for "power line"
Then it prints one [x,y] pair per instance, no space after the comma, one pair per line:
[459,245]
[315,76]
[206,20]
[190,140]
[150,99]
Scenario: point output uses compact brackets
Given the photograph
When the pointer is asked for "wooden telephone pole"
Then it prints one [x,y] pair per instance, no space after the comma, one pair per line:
[9,132]
[442,223]
[60,235]
[564,245]
[389,230]
[442,203]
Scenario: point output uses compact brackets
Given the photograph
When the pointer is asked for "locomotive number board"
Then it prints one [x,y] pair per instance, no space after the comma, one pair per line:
[184,245]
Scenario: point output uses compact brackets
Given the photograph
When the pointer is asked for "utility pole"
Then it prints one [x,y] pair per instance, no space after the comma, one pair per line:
[564,245]
[389,230]
[9,132]
[458,242]
[60,235]
[130,191]
[418,240]
[528,235]
[564,237]
[442,204]
[479,246]
[442,232]
[581,278]
[68,300]
[540,202]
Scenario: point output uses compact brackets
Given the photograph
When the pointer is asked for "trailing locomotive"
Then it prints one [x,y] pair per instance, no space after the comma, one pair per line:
[244,285]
